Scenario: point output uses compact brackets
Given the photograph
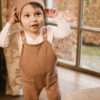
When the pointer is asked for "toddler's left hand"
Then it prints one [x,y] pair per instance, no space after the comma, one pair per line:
[51,12]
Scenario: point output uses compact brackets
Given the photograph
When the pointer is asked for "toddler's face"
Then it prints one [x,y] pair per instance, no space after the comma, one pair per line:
[32,19]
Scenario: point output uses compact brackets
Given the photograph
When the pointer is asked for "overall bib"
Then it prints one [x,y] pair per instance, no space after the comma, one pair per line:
[38,67]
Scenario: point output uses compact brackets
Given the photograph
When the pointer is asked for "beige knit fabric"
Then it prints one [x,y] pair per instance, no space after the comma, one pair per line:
[21,3]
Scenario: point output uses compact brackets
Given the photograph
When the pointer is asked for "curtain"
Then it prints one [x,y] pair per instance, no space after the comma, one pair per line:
[14,79]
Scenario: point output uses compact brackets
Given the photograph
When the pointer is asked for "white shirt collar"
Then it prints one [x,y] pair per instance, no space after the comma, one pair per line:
[31,40]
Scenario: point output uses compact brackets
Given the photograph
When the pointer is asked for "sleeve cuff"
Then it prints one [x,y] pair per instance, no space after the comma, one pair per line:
[8,24]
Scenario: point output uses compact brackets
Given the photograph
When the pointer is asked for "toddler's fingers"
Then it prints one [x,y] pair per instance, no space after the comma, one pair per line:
[46,9]
[13,13]
[54,11]
[47,12]
[14,8]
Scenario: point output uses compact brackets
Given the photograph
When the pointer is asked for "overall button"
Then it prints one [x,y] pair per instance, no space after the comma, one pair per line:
[24,45]
[45,43]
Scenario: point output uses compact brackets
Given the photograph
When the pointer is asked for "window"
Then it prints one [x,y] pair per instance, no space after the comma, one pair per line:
[90,52]
[84,18]
[91,13]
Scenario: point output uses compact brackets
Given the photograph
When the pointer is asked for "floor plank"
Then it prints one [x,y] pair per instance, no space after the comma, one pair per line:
[69,81]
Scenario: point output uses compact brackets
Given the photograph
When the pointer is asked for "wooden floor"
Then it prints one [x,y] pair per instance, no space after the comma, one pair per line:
[69,81]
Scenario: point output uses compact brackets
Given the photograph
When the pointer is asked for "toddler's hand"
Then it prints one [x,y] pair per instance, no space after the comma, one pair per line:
[12,19]
[50,12]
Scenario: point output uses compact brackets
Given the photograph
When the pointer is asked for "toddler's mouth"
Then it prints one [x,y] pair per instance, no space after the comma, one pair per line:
[35,25]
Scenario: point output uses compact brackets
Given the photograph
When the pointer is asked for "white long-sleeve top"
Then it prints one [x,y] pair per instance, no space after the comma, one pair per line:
[62,30]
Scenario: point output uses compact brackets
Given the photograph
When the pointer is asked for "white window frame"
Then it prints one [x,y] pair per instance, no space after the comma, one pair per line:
[80,28]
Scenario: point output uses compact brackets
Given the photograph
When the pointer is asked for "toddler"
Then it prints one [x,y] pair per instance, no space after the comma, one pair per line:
[37,58]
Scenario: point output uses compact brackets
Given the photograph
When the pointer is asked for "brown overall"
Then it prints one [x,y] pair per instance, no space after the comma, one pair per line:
[38,67]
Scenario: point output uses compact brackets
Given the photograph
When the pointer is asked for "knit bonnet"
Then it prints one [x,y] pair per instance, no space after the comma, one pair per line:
[21,3]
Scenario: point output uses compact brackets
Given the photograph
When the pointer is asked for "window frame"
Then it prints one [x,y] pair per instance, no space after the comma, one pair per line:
[80,28]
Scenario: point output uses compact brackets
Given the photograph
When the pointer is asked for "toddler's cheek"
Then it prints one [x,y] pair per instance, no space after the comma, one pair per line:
[42,22]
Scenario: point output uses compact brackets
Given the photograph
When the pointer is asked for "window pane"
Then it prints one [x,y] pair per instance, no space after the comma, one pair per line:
[92,13]
[68,8]
[66,48]
[90,57]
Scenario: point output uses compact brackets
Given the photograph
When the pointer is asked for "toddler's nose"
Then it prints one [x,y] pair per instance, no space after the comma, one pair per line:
[33,18]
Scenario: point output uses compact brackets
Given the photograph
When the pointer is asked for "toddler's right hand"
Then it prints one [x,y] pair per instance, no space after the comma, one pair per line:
[12,19]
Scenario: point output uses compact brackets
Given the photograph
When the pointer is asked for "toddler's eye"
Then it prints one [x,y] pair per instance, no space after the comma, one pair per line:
[27,15]
[38,13]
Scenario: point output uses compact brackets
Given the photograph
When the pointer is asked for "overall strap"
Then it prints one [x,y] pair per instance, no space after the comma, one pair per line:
[44,30]
[23,37]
